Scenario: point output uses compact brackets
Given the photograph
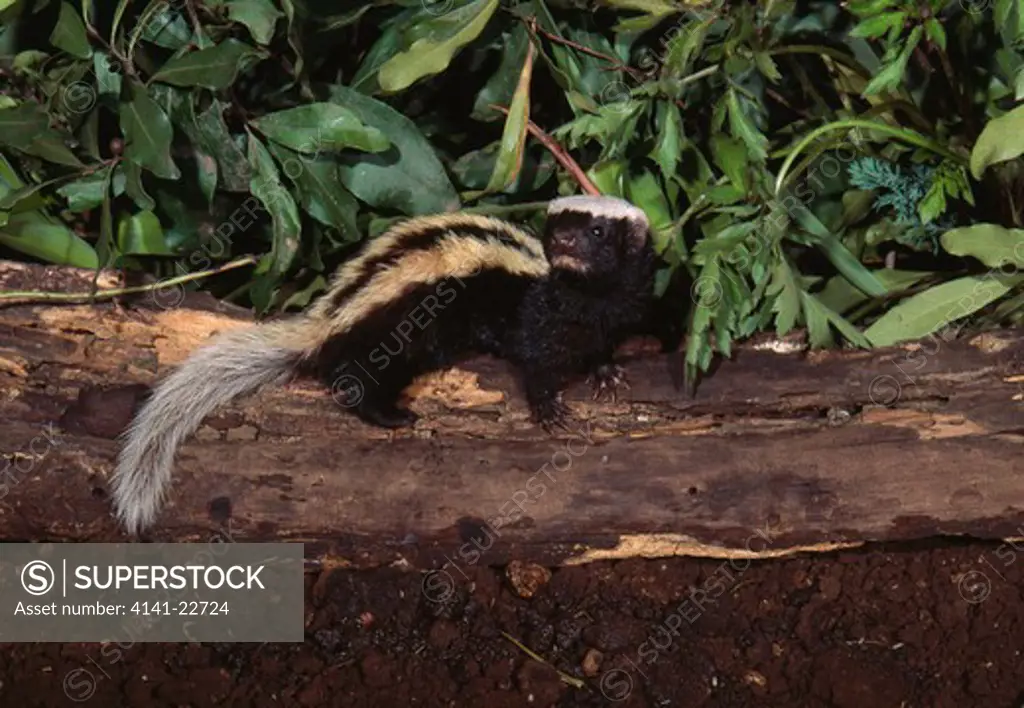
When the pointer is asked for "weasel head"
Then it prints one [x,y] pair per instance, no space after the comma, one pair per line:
[596,237]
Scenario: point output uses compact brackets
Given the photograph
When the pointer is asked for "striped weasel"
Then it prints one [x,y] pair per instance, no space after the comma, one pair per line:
[416,299]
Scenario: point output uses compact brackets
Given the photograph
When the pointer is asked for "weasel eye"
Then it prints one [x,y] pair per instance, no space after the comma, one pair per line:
[595,231]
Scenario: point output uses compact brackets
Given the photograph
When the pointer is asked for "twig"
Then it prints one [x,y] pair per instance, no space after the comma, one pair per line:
[30,296]
[619,65]
[559,153]
[566,678]
[125,61]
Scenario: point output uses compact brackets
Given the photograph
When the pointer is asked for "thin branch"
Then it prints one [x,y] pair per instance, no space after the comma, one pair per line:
[23,297]
[124,61]
[560,154]
[617,63]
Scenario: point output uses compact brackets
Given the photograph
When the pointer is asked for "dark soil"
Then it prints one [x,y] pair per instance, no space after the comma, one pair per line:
[926,626]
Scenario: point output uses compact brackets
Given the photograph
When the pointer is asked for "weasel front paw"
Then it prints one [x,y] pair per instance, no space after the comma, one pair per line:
[606,380]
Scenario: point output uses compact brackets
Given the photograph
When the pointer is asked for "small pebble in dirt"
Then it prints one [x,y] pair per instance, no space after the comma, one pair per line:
[592,662]
[526,578]
[755,678]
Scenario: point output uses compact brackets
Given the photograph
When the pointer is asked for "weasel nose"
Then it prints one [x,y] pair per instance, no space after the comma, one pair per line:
[564,240]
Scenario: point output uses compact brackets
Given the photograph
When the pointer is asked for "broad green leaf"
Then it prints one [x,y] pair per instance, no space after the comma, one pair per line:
[513,137]
[1001,139]
[167,27]
[835,251]
[50,146]
[991,244]
[108,74]
[317,127]
[213,68]
[20,125]
[267,187]
[133,186]
[147,134]
[473,169]
[87,193]
[840,295]
[35,235]
[69,33]
[141,234]
[408,177]
[432,53]
[319,190]
[388,44]
[929,311]
[259,16]
[215,140]
[501,87]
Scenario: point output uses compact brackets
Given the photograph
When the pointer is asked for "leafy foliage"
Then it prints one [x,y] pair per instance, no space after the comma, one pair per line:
[852,169]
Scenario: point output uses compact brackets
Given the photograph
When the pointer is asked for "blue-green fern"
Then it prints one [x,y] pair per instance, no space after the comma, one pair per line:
[901,189]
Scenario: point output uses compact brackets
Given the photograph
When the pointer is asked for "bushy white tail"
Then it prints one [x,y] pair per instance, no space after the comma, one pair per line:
[236,363]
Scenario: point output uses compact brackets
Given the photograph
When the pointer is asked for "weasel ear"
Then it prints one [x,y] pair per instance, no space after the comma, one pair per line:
[638,235]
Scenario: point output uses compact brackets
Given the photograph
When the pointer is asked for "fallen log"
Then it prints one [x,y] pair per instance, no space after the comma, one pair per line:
[779,451]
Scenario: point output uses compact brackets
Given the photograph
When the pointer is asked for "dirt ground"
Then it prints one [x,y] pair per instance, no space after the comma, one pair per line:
[928,625]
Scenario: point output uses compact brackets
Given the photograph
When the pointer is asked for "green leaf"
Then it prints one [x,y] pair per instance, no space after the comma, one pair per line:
[434,51]
[786,293]
[513,137]
[108,76]
[20,125]
[69,33]
[147,134]
[267,187]
[211,133]
[730,155]
[817,312]
[166,27]
[316,127]
[891,75]
[320,191]
[50,146]
[668,149]
[133,186]
[259,16]
[877,25]
[766,65]
[214,68]
[88,192]
[408,177]
[501,87]
[991,244]
[35,235]
[743,127]
[141,234]
[840,295]
[1001,139]
[935,32]
[928,311]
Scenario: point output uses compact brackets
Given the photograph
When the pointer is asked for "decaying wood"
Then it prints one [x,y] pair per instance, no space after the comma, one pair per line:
[779,451]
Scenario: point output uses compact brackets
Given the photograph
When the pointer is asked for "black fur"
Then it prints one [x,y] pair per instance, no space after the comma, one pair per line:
[553,329]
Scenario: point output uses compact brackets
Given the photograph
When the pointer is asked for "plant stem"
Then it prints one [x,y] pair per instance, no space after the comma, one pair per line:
[559,153]
[30,296]
[905,134]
